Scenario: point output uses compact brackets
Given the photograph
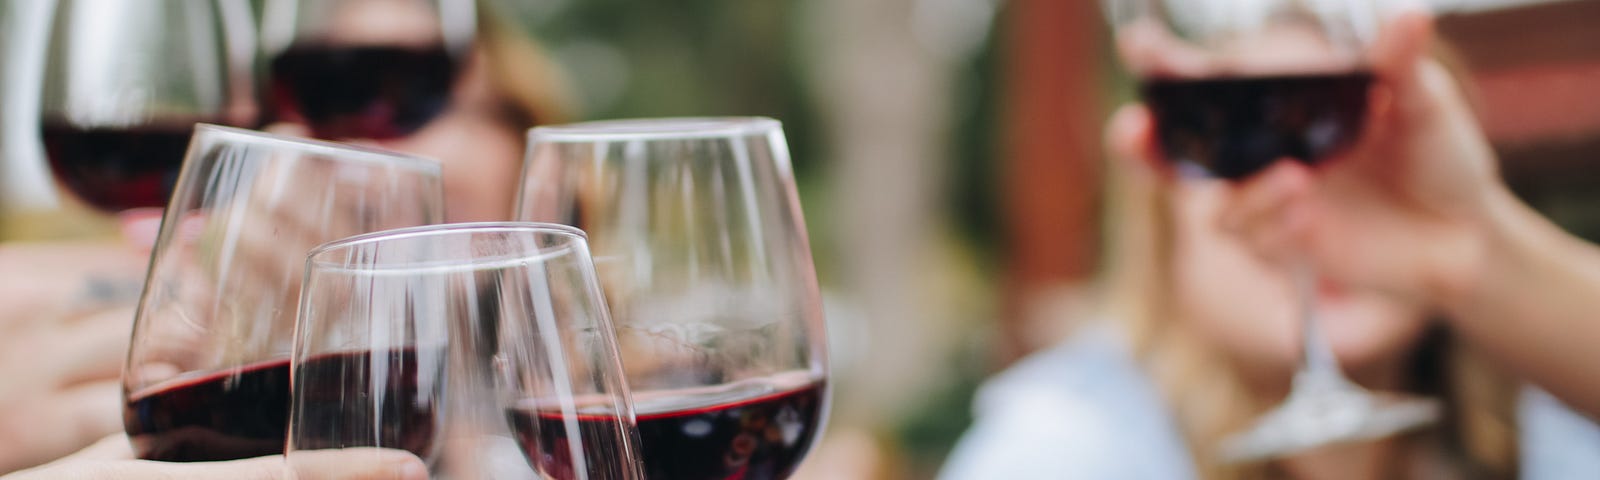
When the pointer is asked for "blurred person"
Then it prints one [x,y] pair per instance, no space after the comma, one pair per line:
[66,308]
[1435,281]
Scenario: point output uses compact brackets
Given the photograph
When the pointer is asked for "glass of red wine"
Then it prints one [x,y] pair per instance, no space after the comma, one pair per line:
[701,247]
[439,340]
[364,69]
[125,82]
[207,376]
[1235,86]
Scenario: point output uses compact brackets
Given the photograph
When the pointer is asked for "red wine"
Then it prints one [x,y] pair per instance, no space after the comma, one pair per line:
[1234,127]
[372,92]
[756,437]
[117,168]
[229,415]
[244,413]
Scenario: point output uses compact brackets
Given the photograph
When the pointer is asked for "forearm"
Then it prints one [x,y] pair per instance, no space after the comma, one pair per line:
[1532,300]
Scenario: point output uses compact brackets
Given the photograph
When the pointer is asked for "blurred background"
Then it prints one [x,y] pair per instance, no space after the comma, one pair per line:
[949,158]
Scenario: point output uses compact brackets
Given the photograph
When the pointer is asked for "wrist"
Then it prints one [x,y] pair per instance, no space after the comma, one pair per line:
[1483,247]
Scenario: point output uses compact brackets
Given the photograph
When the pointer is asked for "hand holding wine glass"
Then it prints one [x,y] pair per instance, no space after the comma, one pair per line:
[1242,90]
[1423,176]
[1417,209]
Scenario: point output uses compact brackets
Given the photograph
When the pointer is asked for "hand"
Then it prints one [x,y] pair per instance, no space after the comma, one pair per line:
[65,315]
[1407,210]
[111,459]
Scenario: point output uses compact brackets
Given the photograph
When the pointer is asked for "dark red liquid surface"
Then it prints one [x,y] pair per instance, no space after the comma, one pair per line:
[223,416]
[372,92]
[244,413]
[755,438]
[117,168]
[1234,127]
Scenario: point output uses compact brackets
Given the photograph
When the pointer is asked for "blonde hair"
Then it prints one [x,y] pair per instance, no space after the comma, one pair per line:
[1209,400]
[530,86]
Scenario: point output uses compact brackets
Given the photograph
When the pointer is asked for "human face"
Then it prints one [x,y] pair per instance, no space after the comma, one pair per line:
[1246,305]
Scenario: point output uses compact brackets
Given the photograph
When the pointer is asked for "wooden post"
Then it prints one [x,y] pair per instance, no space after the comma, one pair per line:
[1053,118]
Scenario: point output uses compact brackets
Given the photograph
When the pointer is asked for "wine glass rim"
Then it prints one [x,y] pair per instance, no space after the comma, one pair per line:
[445,266]
[335,150]
[662,128]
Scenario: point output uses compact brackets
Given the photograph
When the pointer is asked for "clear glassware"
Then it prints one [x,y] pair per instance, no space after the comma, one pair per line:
[449,340]
[125,82]
[702,249]
[1235,86]
[208,366]
[367,69]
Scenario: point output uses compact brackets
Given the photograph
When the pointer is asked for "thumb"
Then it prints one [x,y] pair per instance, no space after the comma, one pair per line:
[356,464]
[348,464]
[1399,53]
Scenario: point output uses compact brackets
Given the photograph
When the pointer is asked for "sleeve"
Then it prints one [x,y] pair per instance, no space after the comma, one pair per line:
[1036,435]
[1557,443]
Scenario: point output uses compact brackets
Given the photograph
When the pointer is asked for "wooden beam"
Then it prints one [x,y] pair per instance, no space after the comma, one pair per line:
[1052,117]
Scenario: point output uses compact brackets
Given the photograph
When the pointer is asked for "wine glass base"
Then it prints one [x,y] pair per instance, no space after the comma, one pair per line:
[1327,417]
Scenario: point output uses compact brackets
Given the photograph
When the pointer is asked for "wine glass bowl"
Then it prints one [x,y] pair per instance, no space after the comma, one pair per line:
[701,247]
[208,364]
[484,332]
[125,82]
[1237,86]
[369,69]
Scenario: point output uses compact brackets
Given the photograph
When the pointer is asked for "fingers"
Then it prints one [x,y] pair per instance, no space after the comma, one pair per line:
[112,447]
[40,429]
[94,348]
[1130,137]
[1401,47]
[357,464]
[1271,210]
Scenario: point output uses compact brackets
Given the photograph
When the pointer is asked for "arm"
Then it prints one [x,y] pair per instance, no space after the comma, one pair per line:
[1531,297]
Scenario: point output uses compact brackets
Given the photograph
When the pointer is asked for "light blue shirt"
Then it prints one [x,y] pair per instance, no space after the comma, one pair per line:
[1086,410]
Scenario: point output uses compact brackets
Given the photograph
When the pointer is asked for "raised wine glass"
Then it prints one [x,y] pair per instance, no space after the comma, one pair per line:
[364,69]
[1234,86]
[449,341]
[702,249]
[207,376]
[125,82]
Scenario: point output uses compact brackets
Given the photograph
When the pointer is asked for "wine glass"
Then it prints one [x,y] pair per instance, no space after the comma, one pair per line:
[125,82]
[207,376]
[441,340]
[702,250]
[368,69]
[1235,86]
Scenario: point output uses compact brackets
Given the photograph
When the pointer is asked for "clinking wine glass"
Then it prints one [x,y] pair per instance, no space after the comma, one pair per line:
[364,69]
[125,82]
[459,343]
[701,247]
[1235,86]
[207,376]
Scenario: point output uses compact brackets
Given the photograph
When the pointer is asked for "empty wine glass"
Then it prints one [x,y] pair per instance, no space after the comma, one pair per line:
[125,82]
[1235,86]
[702,249]
[448,341]
[207,376]
[373,69]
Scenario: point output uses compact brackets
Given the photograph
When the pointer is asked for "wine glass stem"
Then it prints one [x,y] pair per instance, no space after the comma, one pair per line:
[1319,368]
